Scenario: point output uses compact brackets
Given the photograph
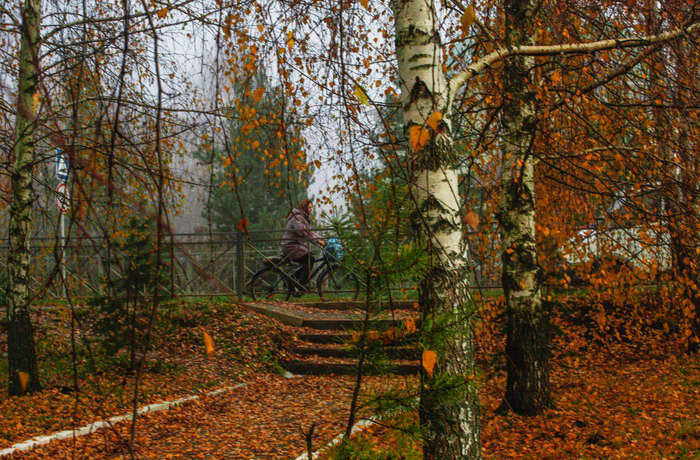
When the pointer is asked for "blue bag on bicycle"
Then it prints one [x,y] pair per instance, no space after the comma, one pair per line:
[334,248]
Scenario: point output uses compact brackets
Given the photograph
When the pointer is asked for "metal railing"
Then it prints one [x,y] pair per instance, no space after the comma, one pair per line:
[197,264]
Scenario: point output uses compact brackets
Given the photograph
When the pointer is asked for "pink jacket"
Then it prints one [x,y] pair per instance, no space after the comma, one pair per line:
[297,234]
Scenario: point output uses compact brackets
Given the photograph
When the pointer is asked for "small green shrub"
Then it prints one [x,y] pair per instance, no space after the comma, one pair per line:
[365,448]
[123,309]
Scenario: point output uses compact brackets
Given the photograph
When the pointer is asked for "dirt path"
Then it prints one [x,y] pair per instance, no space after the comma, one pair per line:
[263,420]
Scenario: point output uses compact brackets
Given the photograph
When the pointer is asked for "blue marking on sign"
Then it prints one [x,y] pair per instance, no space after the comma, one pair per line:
[61,165]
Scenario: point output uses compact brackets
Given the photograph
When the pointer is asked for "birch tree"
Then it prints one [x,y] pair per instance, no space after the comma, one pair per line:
[63,100]
[451,428]
[527,386]
[21,353]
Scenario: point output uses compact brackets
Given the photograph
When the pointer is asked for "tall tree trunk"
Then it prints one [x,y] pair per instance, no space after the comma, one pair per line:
[670,79]
[684,206]
[450,422]
[527,352]
[21,351]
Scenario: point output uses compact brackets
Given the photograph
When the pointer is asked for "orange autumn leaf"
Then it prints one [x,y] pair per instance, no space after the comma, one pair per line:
[208,344]
[242,226]
[370,337]
[373,336]
[472,219]
[410,325]
[434,120]
[163,13]
[467,18]
[429,359]
[419,137]
[23,380]
[391,335]
[365,4]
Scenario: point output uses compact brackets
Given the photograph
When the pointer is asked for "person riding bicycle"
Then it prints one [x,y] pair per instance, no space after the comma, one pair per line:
[295,241]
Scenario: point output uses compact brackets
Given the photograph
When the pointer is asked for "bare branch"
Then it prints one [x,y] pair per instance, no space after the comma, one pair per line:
[570,48]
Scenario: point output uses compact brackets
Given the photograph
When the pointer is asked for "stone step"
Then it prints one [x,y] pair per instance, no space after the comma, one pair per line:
[345,367]
[344,324]
[324,338]
[344,337]
[325,321]
[345,351]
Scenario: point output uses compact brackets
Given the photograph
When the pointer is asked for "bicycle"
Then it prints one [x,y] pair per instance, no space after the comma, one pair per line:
[272,281]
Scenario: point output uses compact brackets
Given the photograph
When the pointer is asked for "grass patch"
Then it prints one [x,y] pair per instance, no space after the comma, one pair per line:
[393,439]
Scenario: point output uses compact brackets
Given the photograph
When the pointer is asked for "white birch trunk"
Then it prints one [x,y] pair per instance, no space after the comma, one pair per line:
[451,427]
[21,352]
[527,386]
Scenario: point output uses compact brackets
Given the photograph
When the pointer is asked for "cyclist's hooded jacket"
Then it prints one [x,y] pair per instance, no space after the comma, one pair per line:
[297,234]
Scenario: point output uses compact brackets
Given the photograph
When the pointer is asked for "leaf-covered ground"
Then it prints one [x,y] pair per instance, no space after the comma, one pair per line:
[264,419]
[632,398]
[613,400]
[177,366]
[605,408]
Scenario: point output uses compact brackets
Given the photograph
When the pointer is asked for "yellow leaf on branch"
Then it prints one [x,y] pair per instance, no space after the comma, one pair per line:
[434,120]
[365,4]
[361,95]
[208,344]
[391,335]
[467,19]
[36,97]
[418,137]
[429,359]
[373,336]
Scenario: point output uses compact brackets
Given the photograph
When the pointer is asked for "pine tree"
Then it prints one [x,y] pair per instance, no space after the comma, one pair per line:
[262,173]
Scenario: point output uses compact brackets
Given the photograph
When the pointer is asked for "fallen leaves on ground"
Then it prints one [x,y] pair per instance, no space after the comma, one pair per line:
[643,408]
[604,408]
[177,366]
[264,419]
[613,400]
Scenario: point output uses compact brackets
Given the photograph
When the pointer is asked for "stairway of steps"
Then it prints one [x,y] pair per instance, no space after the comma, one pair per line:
[323,331]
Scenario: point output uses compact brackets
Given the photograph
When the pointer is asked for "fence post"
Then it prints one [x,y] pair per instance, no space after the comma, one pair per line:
[240,263]
[171,251]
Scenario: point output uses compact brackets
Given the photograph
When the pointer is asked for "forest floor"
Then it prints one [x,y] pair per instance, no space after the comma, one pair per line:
[612,400]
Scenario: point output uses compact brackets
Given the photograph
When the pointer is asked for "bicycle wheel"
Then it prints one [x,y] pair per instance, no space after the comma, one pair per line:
[269,283]
[337,283]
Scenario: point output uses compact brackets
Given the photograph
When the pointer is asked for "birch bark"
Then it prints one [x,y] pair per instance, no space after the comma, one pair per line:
[21,353]
[527,338]
[451,430]
[449,409]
